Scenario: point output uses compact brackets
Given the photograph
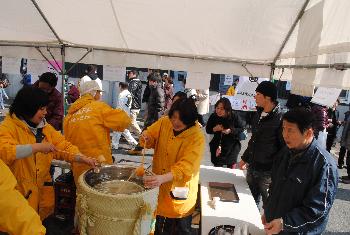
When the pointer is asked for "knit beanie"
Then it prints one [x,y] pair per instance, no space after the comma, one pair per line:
[267,88]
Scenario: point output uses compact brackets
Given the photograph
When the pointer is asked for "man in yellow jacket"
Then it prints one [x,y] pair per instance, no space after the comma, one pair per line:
[88,125]
[16,216]
[28,144]
[178,144]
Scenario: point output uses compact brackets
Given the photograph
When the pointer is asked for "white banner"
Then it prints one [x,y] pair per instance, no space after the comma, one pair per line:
[245,91]
[114,73]
[326,96]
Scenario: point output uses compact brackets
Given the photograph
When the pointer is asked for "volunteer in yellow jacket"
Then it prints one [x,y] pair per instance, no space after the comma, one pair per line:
[178,144]
[28,144]
[16,216]
[88,125]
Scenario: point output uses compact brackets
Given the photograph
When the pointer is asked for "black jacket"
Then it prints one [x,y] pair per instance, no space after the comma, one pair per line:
[135,88]
[303,190]
[155,104]
[266,140]
[230,144]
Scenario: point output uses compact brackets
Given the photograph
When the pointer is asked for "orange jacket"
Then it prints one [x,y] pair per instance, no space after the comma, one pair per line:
[88,125]
[16,216]
[180,155]
[33,171]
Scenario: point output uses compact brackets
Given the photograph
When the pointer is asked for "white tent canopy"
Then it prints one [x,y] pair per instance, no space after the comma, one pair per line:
[196,35]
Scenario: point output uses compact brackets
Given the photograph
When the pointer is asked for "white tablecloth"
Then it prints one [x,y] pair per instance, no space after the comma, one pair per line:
[243,213]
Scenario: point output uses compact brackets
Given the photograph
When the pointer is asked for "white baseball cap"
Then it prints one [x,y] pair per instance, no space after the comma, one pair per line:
[90,87]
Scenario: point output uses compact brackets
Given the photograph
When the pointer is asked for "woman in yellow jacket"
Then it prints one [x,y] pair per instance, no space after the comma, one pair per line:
[16,216]
[88,125]
[28,144]
[178,144]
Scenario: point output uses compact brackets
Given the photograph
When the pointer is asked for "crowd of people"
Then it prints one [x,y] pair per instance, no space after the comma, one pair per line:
[287,166]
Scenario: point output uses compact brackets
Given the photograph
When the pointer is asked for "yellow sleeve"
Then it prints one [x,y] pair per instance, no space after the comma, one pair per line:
[7,145]
[62,144]
[153,133]
[20,218]
[190,161]
[230,91]
[115,119]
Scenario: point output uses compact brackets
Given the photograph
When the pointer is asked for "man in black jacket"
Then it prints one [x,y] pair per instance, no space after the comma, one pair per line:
[265,142]
[304,181]
[135,88]
[156,100]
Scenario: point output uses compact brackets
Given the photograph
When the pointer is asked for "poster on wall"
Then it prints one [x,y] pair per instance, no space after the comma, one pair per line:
[326,96]
[114,73]
[11,65]
[198,80]
[228,80]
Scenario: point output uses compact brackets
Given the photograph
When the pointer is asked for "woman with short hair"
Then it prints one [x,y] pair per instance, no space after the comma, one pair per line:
[178,144]
[28,144]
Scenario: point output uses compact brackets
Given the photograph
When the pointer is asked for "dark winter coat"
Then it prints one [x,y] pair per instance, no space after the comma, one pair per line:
[54,109]
[266,140]
[73,94]
[155,104]
[303,190]
[321,118]
[169,93]
[135,88]
[230,144]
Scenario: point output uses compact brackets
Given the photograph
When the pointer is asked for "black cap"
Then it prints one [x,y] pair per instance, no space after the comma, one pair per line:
[267,88]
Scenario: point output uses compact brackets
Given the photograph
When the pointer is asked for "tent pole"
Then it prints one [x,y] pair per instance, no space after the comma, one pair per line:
[63,53]
[337,66]
[291,30]
[47,21]
[48,61]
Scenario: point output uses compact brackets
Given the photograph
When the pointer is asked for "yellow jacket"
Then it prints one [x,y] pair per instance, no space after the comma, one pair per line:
[88,125]
[33,171]
[16,216]
[231,91]
[180,155]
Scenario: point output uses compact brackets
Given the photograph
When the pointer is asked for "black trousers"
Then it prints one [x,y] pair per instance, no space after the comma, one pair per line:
[342,152]
[173,226]
[329,142]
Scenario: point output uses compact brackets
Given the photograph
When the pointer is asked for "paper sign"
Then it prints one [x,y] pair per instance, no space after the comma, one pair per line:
[198,80]
[114,73]
[288,85]
[11,65]
[228,80]
[326,96]
[245,91]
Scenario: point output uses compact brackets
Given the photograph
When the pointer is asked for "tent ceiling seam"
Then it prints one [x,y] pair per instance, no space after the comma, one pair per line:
[46,21]
[118,24]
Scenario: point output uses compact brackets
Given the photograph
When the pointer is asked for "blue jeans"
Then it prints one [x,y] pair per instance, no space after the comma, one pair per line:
[259,183]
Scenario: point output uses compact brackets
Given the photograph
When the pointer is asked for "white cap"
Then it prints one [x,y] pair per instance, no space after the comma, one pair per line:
[165,75]
[90,87]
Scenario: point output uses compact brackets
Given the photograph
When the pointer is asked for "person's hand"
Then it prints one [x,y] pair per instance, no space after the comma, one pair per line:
[145,136]
[88,161]
[227,131]
[218,128]
[43,148]
[153,181]
[274,227]
[263,219]
[242,165]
